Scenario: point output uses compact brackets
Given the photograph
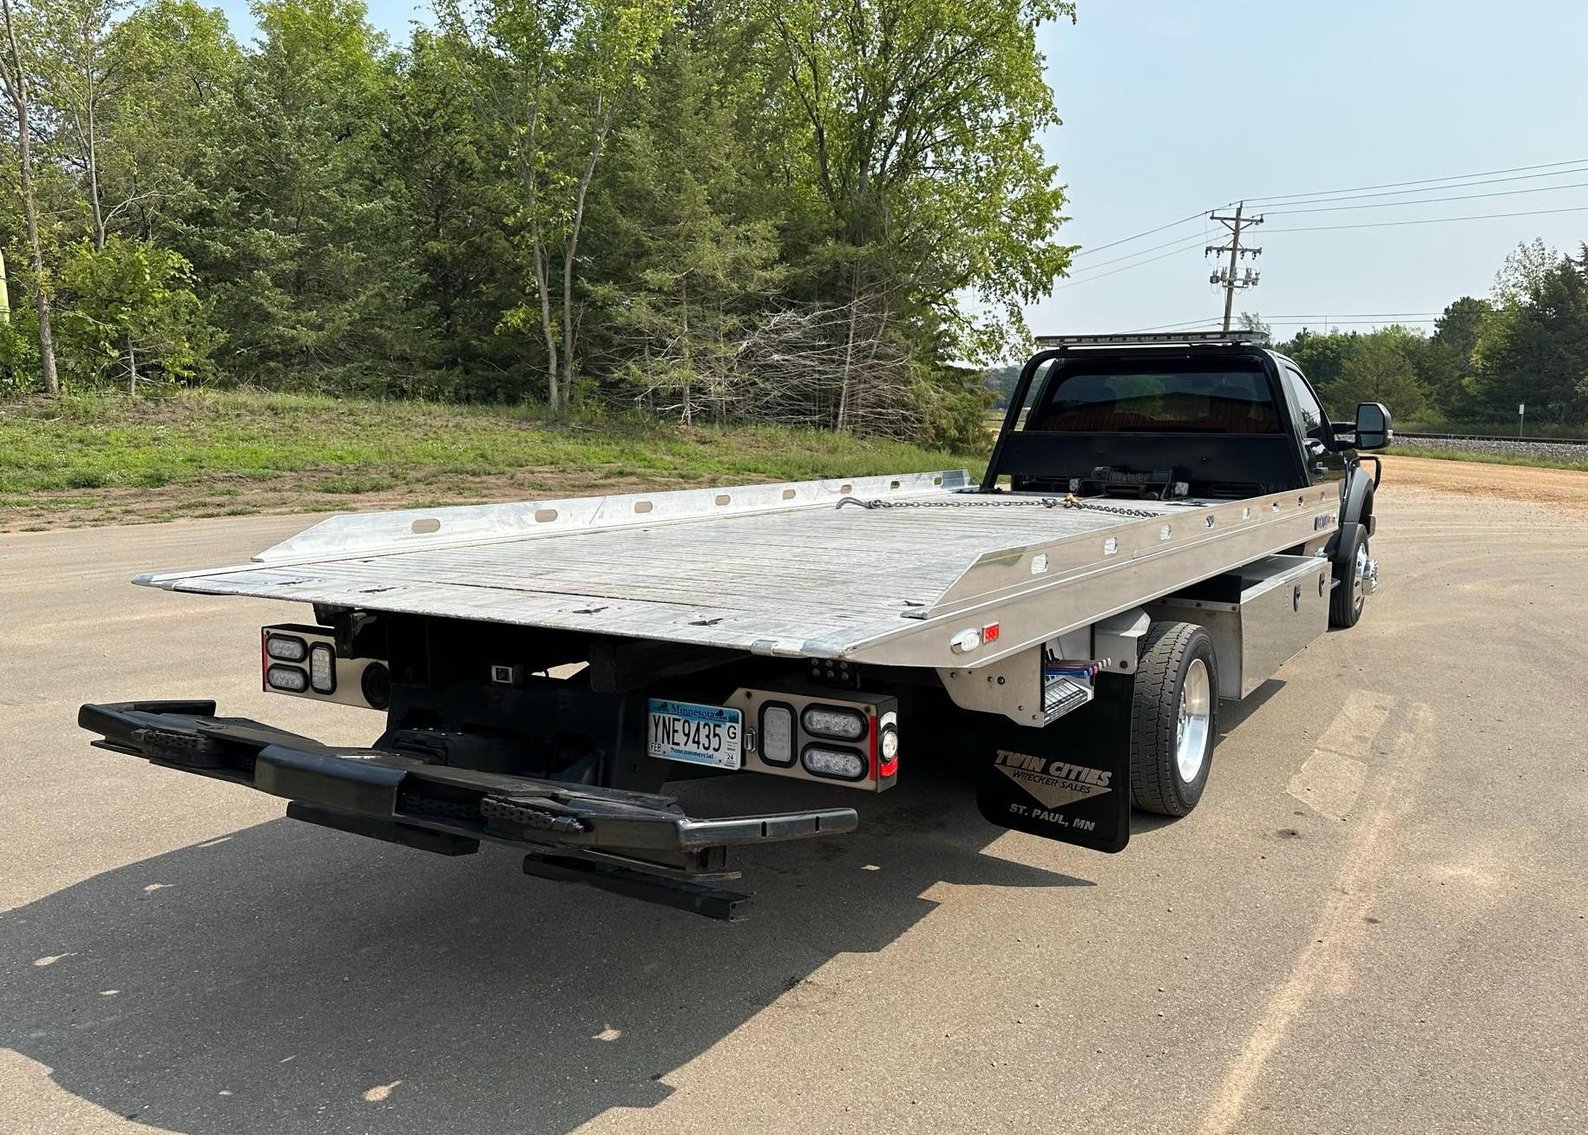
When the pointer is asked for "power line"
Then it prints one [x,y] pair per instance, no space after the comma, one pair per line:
[1290,320]
[1430,220]
[1333,228]
[1184,242]
[1198,215]
[1326,197]
[1419,181]
[1429,184]
[1435,200]
[1182,325]
[1126,268]
[1332,322]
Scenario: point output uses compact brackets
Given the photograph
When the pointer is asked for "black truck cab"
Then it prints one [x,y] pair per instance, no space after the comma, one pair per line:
[1210,415]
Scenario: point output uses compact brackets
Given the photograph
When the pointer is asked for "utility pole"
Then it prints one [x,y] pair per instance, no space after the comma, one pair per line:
[1228,276]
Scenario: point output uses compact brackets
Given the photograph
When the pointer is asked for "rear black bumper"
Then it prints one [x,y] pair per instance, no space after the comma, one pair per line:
[631,842]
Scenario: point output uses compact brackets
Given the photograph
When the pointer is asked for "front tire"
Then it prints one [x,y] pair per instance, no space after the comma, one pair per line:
[1351,569]
[1173,718]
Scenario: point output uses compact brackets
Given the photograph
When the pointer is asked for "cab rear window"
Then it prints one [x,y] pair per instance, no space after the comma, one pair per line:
[1176,396]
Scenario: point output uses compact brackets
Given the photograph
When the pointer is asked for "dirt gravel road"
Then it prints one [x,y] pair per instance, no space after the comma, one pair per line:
[1562,487]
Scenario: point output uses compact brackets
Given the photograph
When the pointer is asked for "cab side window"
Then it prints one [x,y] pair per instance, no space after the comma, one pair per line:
[1314,423]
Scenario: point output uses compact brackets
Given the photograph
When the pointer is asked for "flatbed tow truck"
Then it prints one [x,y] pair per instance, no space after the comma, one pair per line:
[1171,520]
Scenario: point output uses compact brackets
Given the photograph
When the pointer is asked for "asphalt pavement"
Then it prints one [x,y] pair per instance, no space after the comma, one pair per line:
[1377,920]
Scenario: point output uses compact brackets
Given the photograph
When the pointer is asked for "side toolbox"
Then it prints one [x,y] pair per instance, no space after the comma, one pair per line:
[1260,617]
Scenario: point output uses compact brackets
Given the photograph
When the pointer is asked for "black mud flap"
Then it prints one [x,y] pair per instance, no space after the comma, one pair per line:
[1057,783]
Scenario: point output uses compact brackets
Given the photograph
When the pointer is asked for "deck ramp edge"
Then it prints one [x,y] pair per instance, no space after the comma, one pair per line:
[428,528]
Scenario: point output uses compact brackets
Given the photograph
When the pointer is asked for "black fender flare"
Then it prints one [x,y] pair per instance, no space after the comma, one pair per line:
[1356,509]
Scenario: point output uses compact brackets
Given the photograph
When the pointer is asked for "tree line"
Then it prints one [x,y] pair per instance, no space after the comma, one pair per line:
[763,209]
[1525,343]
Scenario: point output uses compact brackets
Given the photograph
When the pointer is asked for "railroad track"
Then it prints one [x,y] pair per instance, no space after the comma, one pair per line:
[1497,438]
[1567,450]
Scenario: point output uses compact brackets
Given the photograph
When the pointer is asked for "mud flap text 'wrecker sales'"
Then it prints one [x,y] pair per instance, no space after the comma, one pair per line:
[1050,795]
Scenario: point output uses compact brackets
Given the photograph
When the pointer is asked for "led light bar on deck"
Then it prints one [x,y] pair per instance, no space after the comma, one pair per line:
[1154,339]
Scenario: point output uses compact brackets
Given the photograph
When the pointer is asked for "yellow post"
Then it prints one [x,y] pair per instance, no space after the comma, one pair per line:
[5,296]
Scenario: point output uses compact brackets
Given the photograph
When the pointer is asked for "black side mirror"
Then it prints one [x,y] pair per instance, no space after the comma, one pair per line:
[1373,426]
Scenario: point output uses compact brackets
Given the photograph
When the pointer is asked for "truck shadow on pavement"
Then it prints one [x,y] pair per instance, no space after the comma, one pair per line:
[1231,714]
[290,979]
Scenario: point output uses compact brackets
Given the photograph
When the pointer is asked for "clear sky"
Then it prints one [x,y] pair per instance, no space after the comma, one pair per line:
[1173,107]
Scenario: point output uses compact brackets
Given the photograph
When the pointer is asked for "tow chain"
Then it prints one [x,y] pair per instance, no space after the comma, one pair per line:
[1070,500]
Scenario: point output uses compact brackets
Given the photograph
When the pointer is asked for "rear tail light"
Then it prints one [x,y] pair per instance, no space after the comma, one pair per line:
[286,648]
[887,742]
[833,763]
[777,734]
[322,668]
[302,660]
[834,722]
[811,733]
[287,679]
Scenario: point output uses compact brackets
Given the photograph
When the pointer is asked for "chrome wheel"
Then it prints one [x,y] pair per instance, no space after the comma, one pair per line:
[1191,728]
[1364,577]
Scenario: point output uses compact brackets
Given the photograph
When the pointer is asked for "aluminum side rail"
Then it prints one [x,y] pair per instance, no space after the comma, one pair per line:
[780,570]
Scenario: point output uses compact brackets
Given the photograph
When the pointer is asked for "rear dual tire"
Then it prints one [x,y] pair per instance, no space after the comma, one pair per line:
[1173,718]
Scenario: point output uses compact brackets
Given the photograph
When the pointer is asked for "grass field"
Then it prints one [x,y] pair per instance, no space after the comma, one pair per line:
[107,459]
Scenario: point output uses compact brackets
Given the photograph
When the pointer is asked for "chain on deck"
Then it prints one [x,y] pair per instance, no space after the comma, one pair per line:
[1070,500]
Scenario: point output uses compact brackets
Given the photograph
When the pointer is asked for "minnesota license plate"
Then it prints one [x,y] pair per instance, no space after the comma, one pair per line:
[696,734]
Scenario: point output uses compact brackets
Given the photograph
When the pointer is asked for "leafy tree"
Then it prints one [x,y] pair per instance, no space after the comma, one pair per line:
[1002,381]
[457,196]
[14,80]
[775,209]
[700,251]
[172,122]
[1458,326]
[1379,368]
[313,275]
[1534,348]
[129,304]
[19,353]
[917,123]
[83,72]
[1322,355]
[1443,361]
[1251,321]
[1523,272]
[556,76]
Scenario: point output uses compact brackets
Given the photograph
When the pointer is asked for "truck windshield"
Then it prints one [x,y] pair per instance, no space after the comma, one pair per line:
[1150,396]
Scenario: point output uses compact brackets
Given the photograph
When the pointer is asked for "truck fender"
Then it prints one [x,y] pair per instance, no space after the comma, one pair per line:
[1356,508]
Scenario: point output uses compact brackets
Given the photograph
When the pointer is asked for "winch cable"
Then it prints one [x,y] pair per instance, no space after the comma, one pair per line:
[1069,500]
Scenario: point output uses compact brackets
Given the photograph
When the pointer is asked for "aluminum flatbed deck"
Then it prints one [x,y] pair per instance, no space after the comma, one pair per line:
[782,569]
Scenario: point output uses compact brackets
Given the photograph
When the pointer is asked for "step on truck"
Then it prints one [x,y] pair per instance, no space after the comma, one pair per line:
[1164,520]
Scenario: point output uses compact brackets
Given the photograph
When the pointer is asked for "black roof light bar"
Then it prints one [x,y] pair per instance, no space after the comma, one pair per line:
[1155,339]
